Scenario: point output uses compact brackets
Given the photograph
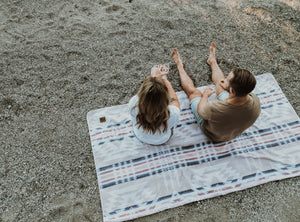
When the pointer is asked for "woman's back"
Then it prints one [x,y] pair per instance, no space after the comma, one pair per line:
[155,109]
[160,136]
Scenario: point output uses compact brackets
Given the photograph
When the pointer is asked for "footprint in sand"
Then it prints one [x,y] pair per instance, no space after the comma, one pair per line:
[132,64]
[261,13]
[68,211]
[114,8]
[118,33]
[10,104]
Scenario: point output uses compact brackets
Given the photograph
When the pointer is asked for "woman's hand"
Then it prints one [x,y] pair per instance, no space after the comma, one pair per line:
[159,71]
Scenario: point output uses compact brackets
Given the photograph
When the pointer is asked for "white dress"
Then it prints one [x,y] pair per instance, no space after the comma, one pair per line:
[158,137]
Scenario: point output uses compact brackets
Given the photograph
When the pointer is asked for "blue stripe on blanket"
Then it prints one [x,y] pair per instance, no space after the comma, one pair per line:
[206,189]
[194,162]
[179,125]
[199,145]
[189,110]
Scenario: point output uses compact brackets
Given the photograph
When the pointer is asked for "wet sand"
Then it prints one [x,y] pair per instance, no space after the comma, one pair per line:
[61,59]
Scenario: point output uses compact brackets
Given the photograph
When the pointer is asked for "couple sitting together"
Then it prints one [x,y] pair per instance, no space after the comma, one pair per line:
[155,110]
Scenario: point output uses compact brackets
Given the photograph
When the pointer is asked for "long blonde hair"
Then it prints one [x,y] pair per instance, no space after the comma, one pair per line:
[153,105]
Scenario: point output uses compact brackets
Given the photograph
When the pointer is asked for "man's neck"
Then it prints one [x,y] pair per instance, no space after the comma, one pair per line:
[237,101]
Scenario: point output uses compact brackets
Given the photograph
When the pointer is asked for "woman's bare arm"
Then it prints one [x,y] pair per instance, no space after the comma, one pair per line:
[174,100]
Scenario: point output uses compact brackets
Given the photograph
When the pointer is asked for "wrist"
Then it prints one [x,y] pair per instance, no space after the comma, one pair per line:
[166,81]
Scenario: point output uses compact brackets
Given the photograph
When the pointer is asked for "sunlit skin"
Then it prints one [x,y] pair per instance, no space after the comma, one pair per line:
[225,82]
[220,81]
[160,72]
[188,85]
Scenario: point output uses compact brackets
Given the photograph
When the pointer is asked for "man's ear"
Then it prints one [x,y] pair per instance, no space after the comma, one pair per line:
[231,90]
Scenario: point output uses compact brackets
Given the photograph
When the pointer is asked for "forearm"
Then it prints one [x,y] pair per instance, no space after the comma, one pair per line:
[173,96]
[202,103]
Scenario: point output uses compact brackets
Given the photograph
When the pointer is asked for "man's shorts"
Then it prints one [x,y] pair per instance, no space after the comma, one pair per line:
[194,106]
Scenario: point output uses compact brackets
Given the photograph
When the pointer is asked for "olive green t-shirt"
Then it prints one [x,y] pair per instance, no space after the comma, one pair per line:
[223,121]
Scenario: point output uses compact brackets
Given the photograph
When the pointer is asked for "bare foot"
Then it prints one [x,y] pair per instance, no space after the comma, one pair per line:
[212,54]
[176,57]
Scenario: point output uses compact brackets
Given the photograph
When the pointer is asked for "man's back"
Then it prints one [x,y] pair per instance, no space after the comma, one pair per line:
[223,121]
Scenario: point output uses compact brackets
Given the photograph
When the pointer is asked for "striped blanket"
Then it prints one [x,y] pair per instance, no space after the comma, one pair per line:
[137,179]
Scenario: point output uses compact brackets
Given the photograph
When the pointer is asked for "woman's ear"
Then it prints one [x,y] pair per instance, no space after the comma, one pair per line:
[231,90]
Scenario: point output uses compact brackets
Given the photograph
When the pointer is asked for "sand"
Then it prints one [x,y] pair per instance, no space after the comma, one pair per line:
[61,59]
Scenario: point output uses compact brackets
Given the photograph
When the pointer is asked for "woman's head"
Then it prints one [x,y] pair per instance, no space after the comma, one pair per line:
[153,105]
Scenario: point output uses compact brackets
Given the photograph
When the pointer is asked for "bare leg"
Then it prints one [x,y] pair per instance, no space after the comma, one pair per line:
[186,82]
[217,74]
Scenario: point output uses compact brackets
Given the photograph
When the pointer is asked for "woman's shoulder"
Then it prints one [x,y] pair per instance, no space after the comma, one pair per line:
[174,109]
[133,101]
[174,115]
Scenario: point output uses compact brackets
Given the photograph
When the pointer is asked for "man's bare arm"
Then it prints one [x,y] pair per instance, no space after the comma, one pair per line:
[206,94]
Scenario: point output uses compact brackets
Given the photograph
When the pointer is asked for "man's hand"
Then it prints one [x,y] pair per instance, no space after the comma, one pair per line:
[208,92]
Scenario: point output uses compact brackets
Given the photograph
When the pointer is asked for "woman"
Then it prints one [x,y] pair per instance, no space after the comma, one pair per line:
[155,110]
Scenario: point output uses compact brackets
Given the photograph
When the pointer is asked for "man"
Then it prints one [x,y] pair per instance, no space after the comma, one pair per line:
[235,108]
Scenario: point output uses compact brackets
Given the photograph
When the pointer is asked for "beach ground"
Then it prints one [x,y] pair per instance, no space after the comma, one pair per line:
[61,59]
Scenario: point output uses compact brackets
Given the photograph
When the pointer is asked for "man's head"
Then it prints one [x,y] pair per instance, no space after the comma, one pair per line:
[241,81]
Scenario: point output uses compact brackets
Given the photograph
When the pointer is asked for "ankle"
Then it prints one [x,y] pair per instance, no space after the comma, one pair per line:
[212,62]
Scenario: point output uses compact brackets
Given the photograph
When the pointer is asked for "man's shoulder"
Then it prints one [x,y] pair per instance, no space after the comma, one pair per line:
[218,103]
[254,98]
[253,95]
[217,106]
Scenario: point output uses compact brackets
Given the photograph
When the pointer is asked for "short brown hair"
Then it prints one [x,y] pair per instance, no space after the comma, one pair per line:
[243,82]
[153,105]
